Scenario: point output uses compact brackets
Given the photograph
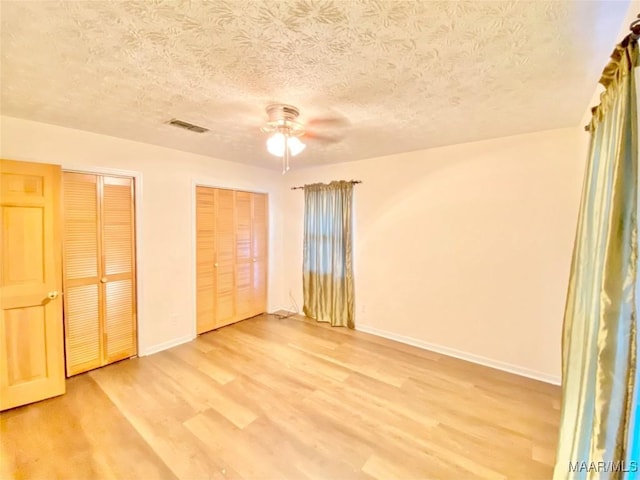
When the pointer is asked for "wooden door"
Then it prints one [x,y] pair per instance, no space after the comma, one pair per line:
[259,247]
[118,269]
[224,266]
[99,270]
[205,259]
[81,253]
[231,256]
[244,256]
[31,330]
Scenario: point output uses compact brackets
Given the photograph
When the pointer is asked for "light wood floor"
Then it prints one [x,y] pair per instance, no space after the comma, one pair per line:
[269,398]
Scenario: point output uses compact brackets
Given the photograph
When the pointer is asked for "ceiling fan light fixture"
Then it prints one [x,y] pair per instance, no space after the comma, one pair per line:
[275,144]
[295,146]
[284,131]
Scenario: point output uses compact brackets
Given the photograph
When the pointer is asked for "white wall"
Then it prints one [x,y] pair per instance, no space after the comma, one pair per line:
[166,271]
[464,249]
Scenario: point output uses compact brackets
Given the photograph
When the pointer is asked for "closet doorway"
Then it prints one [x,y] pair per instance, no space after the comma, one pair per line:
[231,256]
[99,270]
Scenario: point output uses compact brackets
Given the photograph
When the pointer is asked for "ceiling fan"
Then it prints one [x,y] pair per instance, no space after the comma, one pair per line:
[285,131]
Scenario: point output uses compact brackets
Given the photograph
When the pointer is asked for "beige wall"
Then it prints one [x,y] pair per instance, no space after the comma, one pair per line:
[166,271]
[464,249]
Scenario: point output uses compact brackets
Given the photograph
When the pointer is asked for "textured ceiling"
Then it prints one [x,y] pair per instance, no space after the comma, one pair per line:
[406,75]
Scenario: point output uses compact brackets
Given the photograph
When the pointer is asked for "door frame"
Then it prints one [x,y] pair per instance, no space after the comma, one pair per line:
[209,183]
[137,215]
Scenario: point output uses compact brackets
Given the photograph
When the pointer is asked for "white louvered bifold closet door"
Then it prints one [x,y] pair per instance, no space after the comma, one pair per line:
[99,270]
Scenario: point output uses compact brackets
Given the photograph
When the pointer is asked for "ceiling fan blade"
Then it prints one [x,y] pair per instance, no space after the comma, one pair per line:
[319,123]
[322,137]
[328,129]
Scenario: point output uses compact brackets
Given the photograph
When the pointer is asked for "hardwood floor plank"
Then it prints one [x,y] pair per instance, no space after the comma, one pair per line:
[199,359]
[394,438]
[290,398]
[318,438]
[158,414]
[367,368]
[78,435]
[198,389]
[384,467]
[250,457]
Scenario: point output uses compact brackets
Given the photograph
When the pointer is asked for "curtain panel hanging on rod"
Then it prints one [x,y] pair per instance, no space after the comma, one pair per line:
[327,267]
[600,323]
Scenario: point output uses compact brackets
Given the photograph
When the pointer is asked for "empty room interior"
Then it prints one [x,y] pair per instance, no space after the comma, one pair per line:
[324,239]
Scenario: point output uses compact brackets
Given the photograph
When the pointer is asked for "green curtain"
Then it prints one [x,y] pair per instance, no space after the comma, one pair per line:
[327,272]
[599,337]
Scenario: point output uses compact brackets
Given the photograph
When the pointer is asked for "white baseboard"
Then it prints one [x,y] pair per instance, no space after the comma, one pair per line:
[163,346]
[470,357]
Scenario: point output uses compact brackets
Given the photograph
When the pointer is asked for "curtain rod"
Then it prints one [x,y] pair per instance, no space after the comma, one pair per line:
[302,187]
[633,36]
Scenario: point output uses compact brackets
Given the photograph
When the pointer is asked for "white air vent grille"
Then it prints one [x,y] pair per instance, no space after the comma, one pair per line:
[187,126]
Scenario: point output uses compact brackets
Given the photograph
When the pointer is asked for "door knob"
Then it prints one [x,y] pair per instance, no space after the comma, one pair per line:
[254,259]
[103,279]
[215,264]
[52,295]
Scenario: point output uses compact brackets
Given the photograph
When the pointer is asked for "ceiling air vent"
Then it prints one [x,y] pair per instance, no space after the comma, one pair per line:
[187,126]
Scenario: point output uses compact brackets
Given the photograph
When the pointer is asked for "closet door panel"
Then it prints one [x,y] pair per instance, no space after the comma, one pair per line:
[260,253]
[118,226]
[259,287]
[244,293]
[260,230]
[80,226]
[120,337]
[231,256]
[82,332]
[225,297]
[118,268]
[205,259]
[81,246]
[244,258]
[99,270]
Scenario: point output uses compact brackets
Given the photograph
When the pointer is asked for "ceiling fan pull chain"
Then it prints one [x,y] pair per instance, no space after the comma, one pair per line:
[286,154]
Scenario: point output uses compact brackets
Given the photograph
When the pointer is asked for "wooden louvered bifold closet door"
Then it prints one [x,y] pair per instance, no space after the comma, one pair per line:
[99,271]
[224,266]
[83,332]
[118,269]
[244,257]
[231,256]
[205,259]
[259,215]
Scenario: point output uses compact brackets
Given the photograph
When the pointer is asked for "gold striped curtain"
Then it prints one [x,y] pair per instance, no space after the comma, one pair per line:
[600,324]
[327,273]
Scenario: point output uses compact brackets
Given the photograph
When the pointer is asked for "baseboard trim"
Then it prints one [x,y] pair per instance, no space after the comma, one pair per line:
[165,345]
[470,357]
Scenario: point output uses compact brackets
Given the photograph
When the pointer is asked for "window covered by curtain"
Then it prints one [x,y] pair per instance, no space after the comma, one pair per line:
[600,324]
[327,276]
